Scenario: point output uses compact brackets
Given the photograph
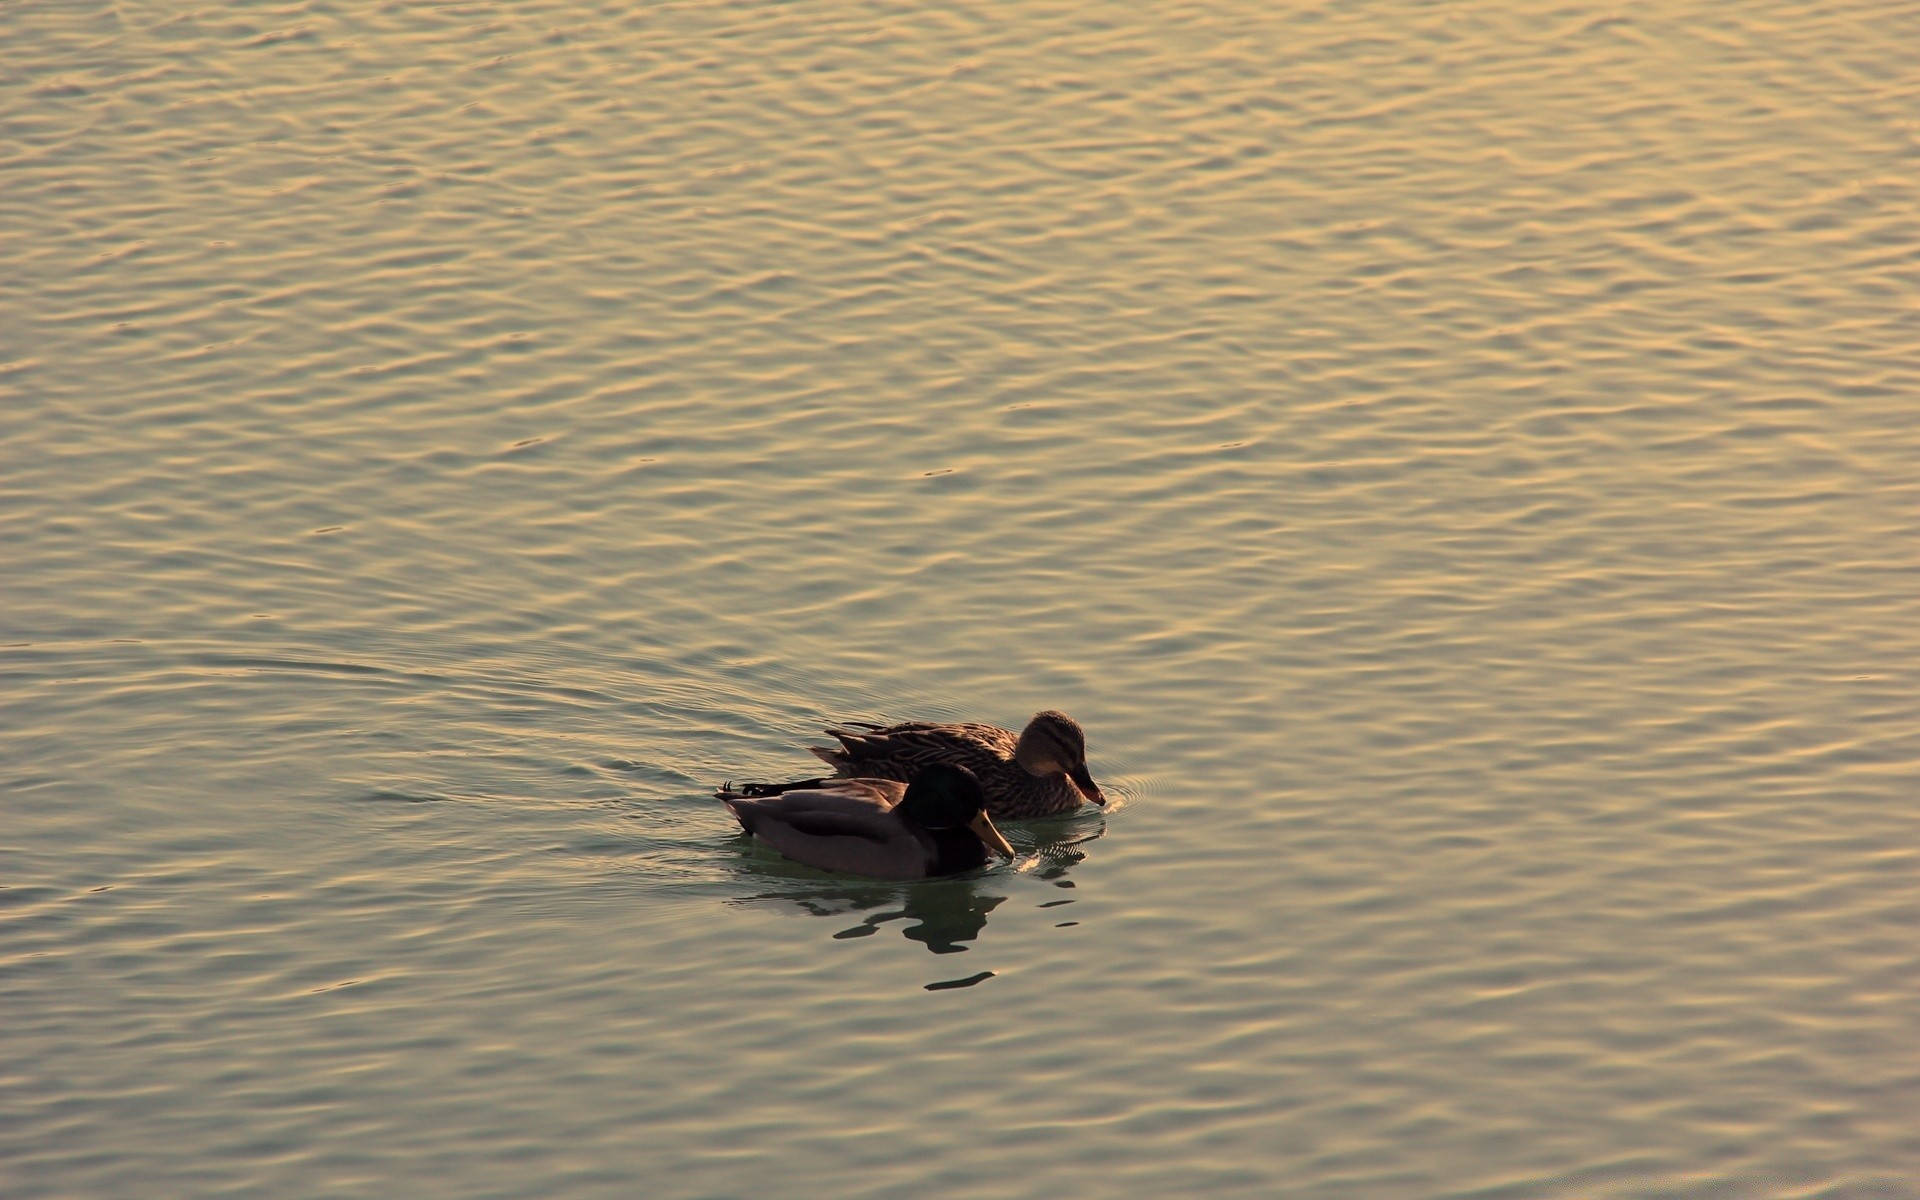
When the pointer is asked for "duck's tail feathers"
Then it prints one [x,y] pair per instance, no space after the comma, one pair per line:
[758,791]
[852,734]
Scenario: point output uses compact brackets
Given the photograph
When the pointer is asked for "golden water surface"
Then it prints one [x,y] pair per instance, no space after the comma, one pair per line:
[1460,462]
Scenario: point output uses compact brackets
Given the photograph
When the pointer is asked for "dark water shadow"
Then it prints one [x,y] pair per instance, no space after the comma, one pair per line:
[944,915]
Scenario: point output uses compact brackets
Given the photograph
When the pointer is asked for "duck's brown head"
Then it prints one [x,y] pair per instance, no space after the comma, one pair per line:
[1053,744]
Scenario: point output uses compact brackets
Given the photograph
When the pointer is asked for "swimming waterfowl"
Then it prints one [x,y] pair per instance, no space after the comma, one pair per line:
[1039,772]
[934,825]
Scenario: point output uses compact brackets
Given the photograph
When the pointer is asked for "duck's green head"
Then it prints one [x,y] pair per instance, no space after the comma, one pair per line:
[945,796]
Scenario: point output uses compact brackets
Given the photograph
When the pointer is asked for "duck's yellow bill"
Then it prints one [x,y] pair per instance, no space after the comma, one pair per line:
[983,825]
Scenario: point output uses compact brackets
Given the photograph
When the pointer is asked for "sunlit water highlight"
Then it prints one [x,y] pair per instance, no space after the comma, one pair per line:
[1458,462]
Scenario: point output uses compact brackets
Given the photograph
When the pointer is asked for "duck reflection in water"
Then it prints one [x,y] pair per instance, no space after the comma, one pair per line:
[944,915]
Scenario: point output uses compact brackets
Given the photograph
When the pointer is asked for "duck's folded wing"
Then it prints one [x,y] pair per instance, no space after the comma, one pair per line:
[854,797]
[916,742]
[869,843]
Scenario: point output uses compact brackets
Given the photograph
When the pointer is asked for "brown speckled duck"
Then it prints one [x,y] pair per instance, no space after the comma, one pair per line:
[1040,772]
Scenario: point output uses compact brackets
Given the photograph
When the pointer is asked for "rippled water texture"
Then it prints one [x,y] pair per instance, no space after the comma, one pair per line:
[1461,463]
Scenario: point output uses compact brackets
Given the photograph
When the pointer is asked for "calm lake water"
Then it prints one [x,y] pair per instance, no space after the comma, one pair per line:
[1461,463]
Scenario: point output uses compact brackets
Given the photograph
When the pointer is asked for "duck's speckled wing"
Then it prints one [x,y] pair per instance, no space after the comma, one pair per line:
[899,751]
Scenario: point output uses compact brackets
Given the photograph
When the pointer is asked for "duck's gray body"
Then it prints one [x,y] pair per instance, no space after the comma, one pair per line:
[852,825]
[1002,760]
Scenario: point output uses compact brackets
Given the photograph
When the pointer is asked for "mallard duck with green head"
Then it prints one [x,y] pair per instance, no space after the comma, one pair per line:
[937,824]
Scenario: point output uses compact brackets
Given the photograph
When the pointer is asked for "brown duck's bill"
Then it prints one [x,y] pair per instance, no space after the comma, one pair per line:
[983,825]
[1085,783]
